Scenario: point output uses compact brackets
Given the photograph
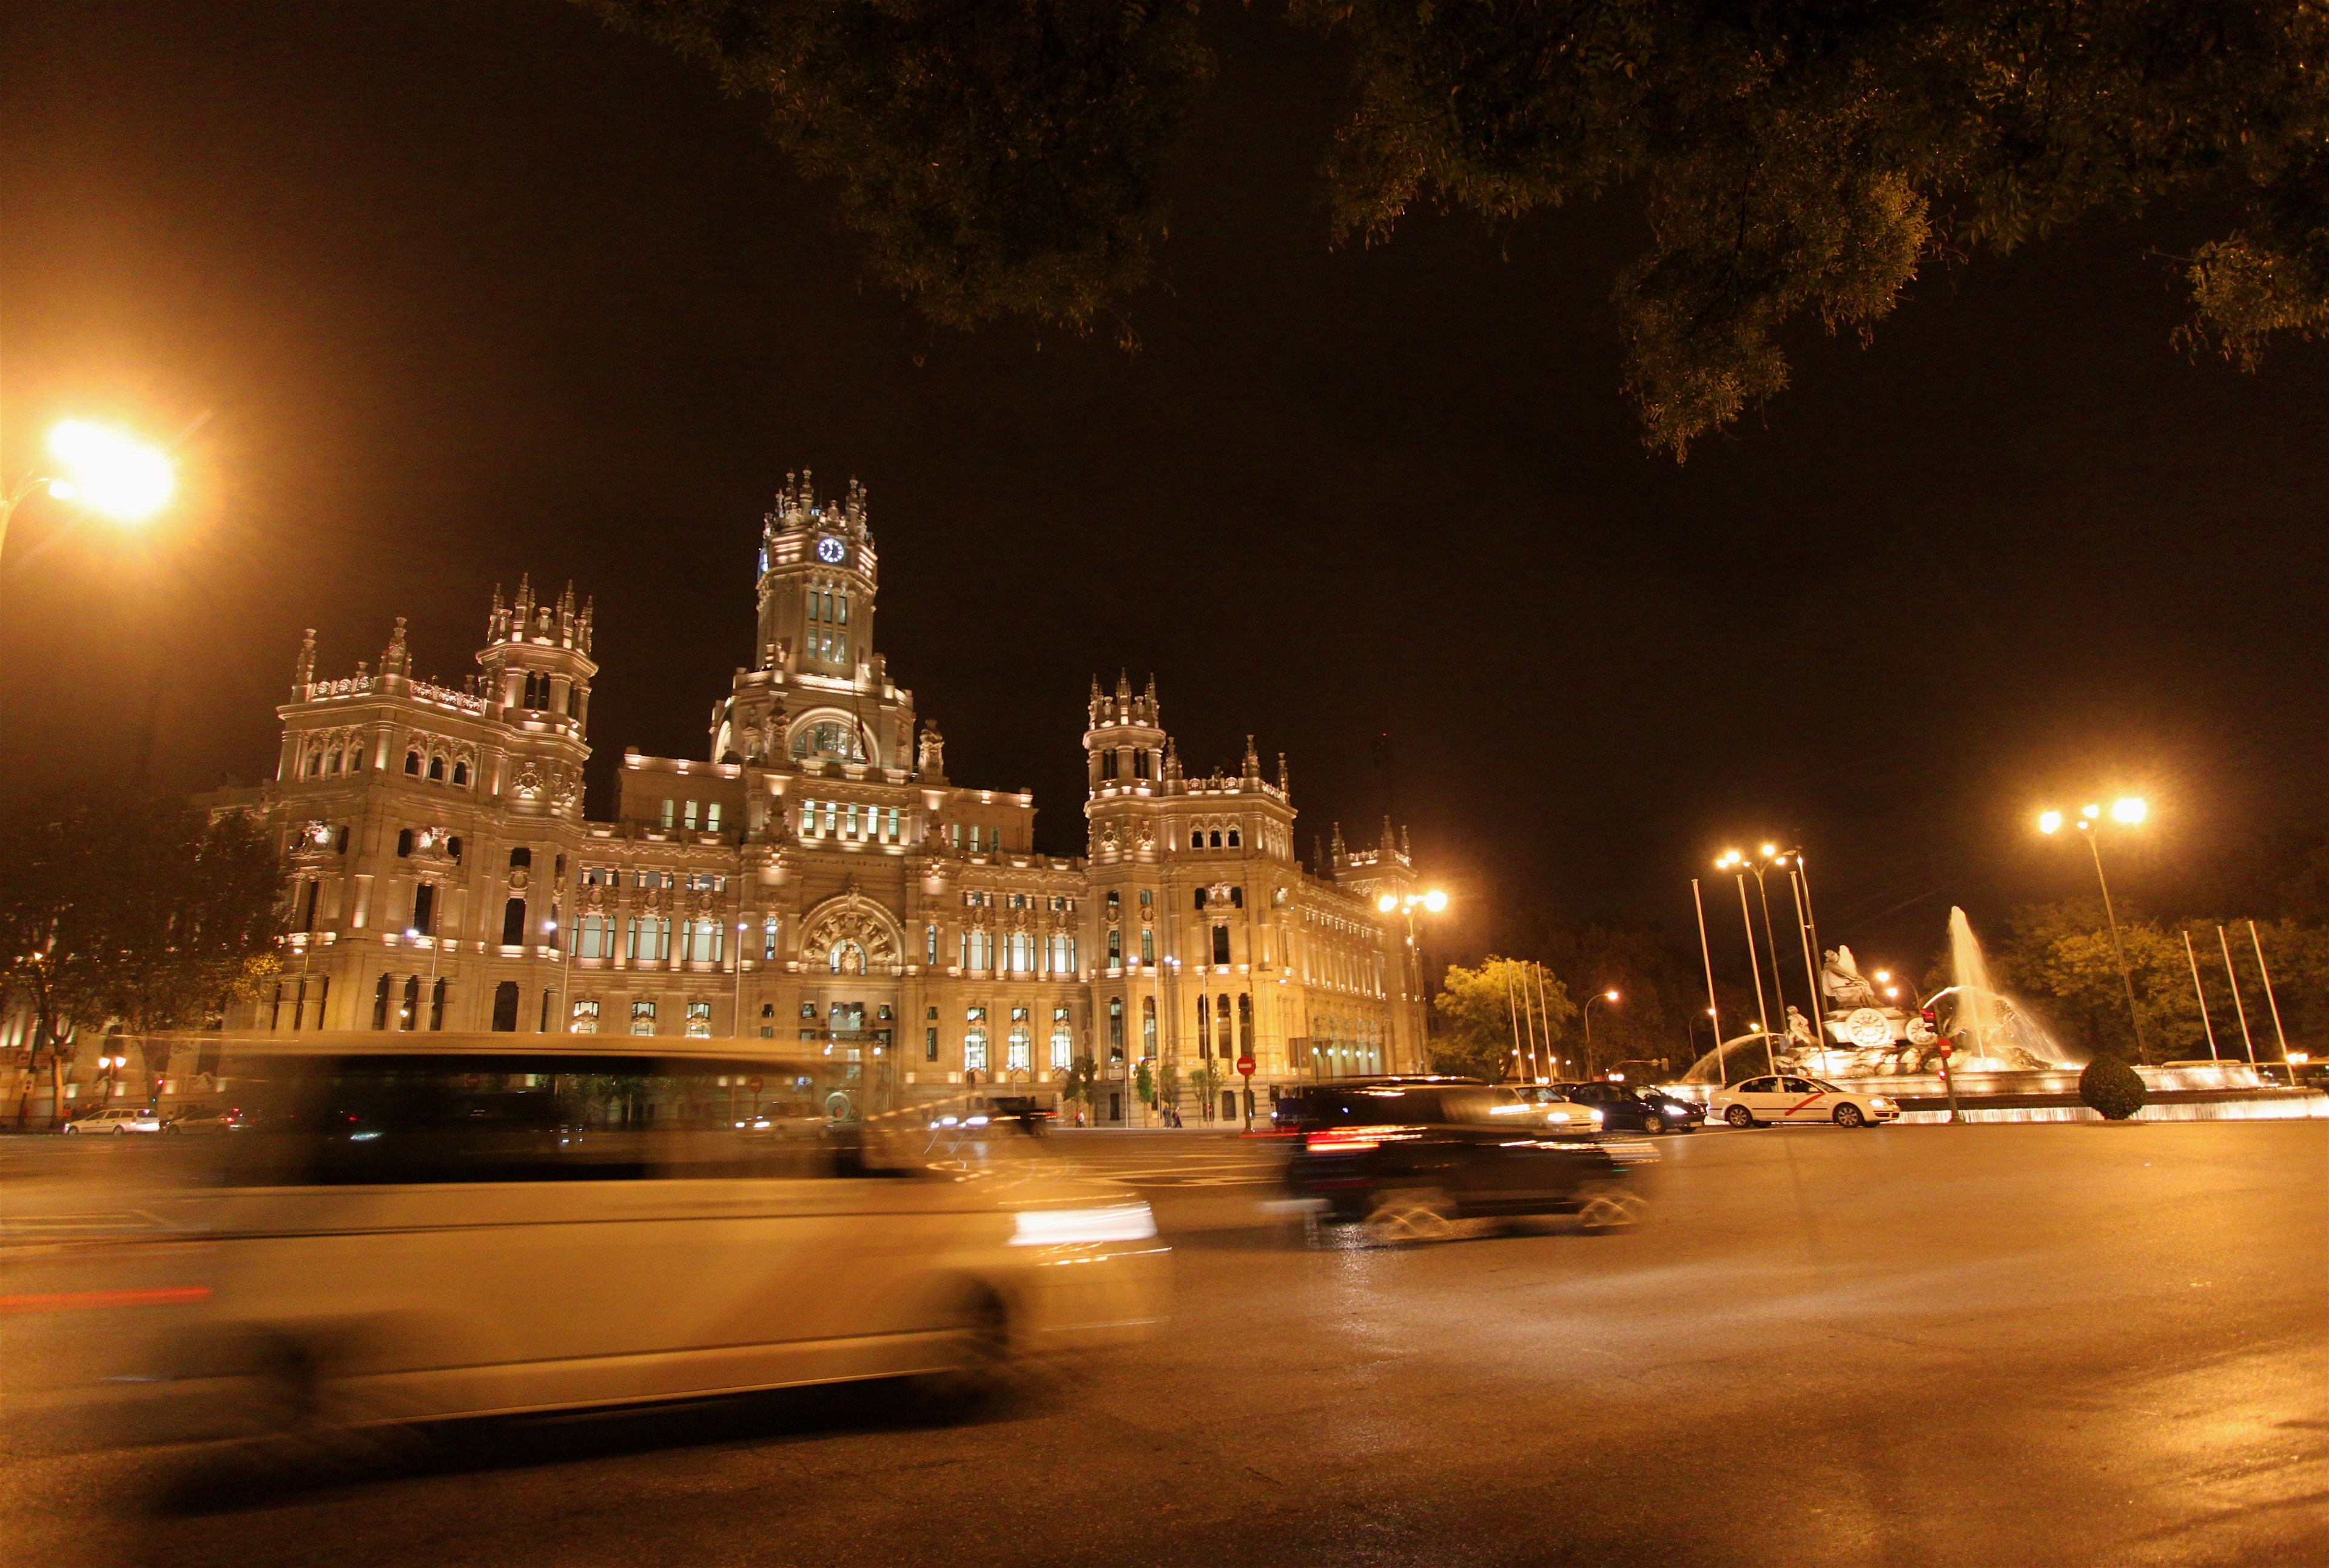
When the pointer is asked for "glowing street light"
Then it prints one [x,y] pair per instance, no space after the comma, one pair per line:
[99,468]
[2128,810]
[1435,902]
[1609,996]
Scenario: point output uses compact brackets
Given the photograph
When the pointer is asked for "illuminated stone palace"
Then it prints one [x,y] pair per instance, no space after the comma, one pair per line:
[817,877]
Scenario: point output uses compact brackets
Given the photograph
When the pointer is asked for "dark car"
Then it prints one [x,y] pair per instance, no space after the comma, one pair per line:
[1680,1115]
[1295,1111]
[1622,1110]
[1406,1159]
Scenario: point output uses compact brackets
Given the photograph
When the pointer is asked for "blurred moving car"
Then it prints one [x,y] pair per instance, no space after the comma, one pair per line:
[1767,1101]
[117,1119]
[200,1118]
[1406,1159]
[469,1226]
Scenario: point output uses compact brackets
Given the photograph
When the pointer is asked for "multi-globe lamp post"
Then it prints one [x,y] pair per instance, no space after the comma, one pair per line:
[2126,811]
[99,469]
[1432,902]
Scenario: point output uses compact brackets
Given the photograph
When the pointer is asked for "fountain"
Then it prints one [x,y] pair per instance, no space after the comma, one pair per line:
[1860,1035]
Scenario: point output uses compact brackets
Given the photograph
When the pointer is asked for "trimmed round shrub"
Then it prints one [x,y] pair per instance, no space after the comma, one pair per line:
[2111,1088]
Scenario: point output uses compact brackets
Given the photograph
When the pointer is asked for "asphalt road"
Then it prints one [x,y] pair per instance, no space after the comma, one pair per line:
[2007,1345]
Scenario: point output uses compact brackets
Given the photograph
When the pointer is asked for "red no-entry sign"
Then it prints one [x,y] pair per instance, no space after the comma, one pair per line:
[1245,1065]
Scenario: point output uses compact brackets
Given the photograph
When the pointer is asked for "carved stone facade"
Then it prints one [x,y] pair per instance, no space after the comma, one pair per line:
[817,879]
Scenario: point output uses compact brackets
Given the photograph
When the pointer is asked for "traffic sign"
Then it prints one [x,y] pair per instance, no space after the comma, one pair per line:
[1245,1065]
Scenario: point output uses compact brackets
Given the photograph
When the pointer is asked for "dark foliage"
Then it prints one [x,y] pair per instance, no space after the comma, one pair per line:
[2111,1088]
[1797,162]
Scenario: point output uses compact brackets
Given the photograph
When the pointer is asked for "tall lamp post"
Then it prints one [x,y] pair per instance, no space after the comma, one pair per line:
[2128,810]
[1737,865]
[1587,1016]
[1434,903]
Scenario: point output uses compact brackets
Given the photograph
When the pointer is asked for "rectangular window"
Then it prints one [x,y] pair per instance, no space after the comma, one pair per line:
[1221,944]
[688,816]
[699,1020]
[712,817]
[667,807]
[830,811]
[931,1045]
[974,1041]
[1063,1040]
[643,1017]
[585,1019]
[768,939]
[931,932]
[849,828]
[893,824]
[808,820]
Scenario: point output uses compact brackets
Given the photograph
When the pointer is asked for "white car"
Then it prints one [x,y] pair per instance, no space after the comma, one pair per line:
[117,1119]
[482,1224]
[1789,1098]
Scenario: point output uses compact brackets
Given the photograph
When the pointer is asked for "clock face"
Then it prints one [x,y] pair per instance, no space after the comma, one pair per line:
[830,551]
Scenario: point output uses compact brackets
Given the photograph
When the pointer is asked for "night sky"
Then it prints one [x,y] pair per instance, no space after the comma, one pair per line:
[437,293]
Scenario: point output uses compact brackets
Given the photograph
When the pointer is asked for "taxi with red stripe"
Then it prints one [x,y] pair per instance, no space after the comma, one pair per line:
[1789,1098]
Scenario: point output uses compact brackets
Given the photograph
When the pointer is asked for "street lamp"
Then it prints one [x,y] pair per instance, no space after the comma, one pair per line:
[2128,810]
[1433,902]
[1739,865]
[1587,1016]
[99,468]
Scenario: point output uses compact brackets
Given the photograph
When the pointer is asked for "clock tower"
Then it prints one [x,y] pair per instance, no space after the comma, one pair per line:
[817,582]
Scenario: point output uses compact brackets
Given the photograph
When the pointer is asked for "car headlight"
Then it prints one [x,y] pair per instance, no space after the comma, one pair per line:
[1070,1227]
[1878,1102]
[1595,1115]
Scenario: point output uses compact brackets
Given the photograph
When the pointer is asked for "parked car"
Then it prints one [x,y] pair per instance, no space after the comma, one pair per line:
[474,1225]
[1407,1160]
[1767,1101]
[117,1119]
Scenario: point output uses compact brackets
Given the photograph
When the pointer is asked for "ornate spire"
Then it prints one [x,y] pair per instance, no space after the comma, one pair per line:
[398,659]
[1253,769]
[1284,788]
[303,674]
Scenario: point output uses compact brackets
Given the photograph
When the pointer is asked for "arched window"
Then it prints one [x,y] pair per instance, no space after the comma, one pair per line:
[1233,838]
[334,766]
[1116,1028]
[514,924]
[1196,840]
[409,1016]
[436,769]
[846,958]
[1217,838]
[521,856]
[437,1005]
[1020,1053]
[1148,945]
[453,847]
[1222,1018]
[460,772]
[506,1007]
[1063,1040]
[424,909]
[1245,1020]
[1115,903]
[412,763]
[1114,946]
[1204,1025]
[380,1004]
[1148,1026]
[829,737]
[1140,764]
[314,764]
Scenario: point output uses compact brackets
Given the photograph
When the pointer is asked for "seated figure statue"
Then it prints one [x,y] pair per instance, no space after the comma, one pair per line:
[1843,984]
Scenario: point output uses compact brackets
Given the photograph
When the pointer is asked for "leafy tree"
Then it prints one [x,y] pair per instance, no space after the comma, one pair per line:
[1207,1081]
[1479,1010]
[1795,163]
[1168,1085]
[1002,159]
[1077,1082]
[147,915]
[1144,1084]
